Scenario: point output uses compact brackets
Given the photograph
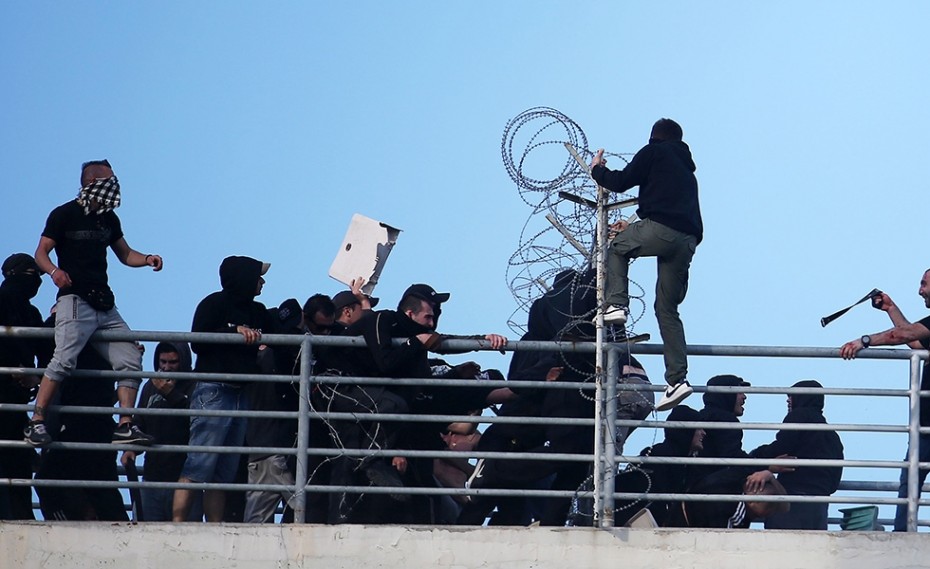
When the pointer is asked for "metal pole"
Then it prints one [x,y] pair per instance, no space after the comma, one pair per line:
[610,438]
[913,442]
[303,431]
[599,438]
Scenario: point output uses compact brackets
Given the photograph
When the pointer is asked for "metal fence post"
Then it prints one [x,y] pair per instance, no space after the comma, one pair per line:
[608,465]
[913,442]
[303,431]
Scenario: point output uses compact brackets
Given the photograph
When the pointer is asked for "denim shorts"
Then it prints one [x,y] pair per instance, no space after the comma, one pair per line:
[215,431]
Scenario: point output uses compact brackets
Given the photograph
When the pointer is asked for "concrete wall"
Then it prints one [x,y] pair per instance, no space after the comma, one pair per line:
[201,546]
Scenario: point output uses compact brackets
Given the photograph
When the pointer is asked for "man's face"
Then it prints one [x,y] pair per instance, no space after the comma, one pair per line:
[169,361]
[350,314]
[740,405]
[261,283]
[697,441]
[924,290]
[425,316]
[320,324]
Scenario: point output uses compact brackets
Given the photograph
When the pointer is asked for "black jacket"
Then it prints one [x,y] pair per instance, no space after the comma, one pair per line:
[668,190]
[224,311]
[16,309]
[807,480]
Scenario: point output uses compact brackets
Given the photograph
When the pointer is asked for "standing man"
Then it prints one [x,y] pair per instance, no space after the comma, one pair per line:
[232,310]
[165,393]
[21,281]
[670,230]
[917,337]
[80,232]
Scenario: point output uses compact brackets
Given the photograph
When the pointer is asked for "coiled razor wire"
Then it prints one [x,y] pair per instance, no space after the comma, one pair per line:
[534,155]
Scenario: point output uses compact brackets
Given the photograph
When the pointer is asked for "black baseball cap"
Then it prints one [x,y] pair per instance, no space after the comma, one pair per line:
[18,263]
[425,292]
[728,380]
[346,298]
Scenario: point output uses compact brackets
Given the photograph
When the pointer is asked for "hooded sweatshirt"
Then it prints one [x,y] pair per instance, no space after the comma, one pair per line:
[668,190]
[224,311]
[16,292]
[807,480]
[721,443]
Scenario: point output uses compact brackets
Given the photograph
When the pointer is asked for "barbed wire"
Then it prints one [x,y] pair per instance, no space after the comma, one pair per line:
[558,234]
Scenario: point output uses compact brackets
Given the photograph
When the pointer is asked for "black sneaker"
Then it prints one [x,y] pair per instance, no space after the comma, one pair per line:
[129,434]
[386,476]
[36,435]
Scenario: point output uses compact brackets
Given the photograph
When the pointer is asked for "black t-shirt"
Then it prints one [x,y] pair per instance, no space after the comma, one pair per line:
[81,243]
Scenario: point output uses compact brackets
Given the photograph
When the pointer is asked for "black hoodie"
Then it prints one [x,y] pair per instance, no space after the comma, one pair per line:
[226,310]
[807,480]
[668,190]
[722,443]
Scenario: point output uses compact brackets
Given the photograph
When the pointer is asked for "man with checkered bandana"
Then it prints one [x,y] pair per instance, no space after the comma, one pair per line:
[80,231]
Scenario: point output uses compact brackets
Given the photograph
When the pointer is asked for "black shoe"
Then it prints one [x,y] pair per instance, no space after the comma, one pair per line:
[380,474]
[129,434]
[36,435]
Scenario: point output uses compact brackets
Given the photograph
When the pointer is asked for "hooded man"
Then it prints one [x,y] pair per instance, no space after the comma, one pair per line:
[165,393]
[232,310]
[722,408]
[21,281]
[670,230]
[80,231]
[663,478]
[805,480]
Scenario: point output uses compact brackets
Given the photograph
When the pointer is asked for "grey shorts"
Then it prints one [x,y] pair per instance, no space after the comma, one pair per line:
[75,321]
[260,505]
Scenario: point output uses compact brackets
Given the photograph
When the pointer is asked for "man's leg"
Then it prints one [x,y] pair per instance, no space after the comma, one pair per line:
[638,240]
[75,322]
[260,505]
[671,288]
[123,356]
[900,516]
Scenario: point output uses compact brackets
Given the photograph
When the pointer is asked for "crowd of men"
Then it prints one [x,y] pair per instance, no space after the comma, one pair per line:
[82,230]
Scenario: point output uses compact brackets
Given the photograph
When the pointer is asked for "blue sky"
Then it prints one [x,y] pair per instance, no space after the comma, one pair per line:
[260,128]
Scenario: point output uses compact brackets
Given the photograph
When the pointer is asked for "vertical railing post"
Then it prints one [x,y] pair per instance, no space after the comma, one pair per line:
[599,438]
[913,442]
[609,462]
[303,431]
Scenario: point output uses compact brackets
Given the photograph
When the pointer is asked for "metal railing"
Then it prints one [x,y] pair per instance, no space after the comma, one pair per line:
[605,460]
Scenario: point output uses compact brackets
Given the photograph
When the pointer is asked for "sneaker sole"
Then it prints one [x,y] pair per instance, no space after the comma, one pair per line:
[383,481]
[140,442]
[680,393]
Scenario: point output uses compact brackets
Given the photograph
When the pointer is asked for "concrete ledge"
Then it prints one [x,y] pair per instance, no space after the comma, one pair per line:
[72,545]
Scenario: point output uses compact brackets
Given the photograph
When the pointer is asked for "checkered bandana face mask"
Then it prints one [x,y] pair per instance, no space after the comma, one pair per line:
[105,191]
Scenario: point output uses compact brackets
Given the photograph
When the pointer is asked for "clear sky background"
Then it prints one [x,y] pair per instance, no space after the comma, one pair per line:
[260,128]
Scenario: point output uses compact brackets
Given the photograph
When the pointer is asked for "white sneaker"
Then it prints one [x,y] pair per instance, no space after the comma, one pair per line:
[674,394]
[616,314]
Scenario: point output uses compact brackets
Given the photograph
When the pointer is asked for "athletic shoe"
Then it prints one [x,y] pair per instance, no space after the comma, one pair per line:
[36,434]
[616,314]
[380,474]
[129,434]
[674,394]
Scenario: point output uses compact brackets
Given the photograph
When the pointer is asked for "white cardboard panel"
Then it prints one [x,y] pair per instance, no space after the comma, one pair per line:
[364,251]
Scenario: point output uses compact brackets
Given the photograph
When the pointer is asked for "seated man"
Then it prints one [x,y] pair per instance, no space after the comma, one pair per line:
[805,480]
[728,514]
[662,478]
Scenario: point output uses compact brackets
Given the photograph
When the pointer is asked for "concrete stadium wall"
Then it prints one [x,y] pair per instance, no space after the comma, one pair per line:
[202,546]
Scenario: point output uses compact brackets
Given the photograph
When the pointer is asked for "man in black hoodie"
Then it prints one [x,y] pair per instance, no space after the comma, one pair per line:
[805,480]
[232,310]
[670,230]
[722,408]
[21,281]
[163,393]
[662,478]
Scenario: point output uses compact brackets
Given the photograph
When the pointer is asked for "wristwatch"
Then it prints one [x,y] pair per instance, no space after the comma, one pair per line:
[866,341]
